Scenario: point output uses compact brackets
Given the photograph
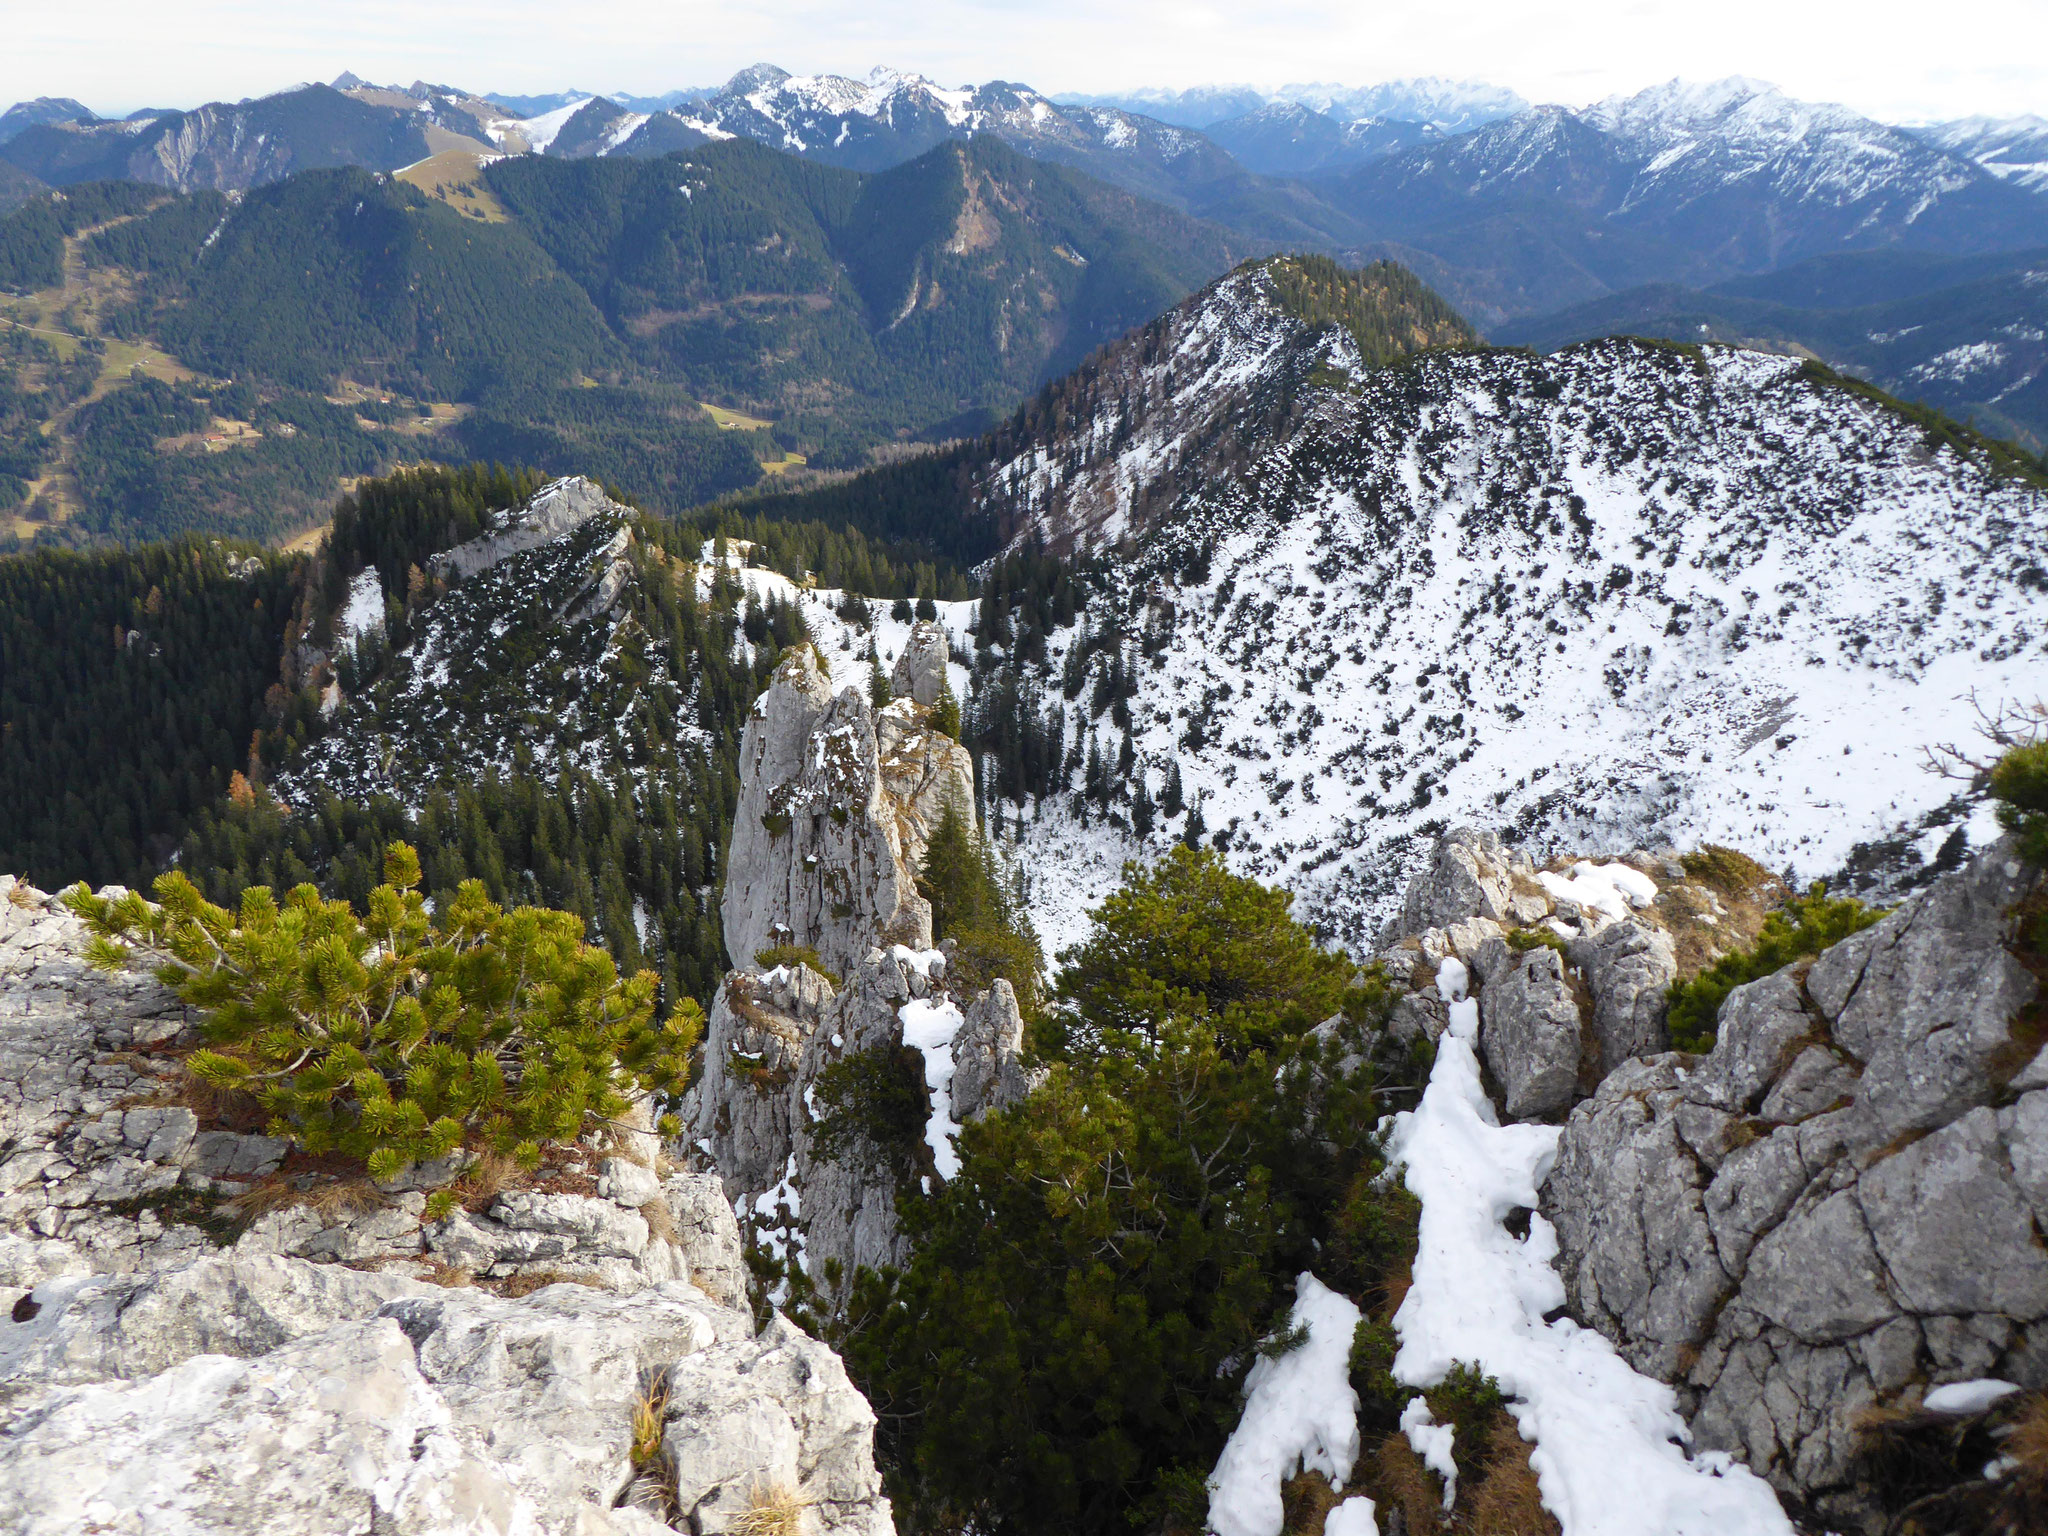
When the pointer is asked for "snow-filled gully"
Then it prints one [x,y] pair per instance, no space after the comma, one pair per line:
[1607,1443]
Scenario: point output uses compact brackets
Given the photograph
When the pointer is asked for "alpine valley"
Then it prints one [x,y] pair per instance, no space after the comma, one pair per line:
[831,807]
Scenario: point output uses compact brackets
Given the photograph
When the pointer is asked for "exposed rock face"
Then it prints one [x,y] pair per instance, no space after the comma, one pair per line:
[753,1114]
[1629,965]
[1839,1206]
[835,806]
[1531,1038]
[1553,1024]
[156,1373]
[560,507]
[920,672]
[988,1055]
[1468,876]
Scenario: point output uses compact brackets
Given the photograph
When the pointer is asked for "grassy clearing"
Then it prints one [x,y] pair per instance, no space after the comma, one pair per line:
[735,419]
[455,177]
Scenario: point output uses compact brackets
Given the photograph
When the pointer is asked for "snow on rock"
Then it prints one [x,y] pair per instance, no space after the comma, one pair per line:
[1300,1413]
[1967,1397]
[1609,889]
[930,1024]
[1608,1443]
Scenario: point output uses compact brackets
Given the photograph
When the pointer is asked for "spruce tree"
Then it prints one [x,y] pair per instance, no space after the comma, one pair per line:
[946,711]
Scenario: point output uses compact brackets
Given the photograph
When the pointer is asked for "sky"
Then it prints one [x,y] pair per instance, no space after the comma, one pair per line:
[1883,57]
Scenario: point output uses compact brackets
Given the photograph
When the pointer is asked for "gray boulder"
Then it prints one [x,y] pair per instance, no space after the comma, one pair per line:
[1530,1030]
[1469,875]
[1629,965]
[988,1067]
[1839,1206]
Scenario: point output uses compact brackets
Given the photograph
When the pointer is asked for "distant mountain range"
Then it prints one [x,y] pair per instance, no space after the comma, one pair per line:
[1536,221]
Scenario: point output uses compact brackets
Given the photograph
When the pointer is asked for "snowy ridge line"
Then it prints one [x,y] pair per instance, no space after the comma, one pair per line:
[1608,1443]
[1615,597]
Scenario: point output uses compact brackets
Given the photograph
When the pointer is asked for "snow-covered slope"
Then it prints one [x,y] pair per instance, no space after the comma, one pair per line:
[2014,149]
[1620,595]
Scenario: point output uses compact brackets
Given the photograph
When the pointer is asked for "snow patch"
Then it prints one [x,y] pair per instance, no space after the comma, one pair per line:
[1299,1413]
[930,1024]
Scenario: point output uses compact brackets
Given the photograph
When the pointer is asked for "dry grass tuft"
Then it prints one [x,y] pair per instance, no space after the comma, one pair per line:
[661,1221]
[344,1197]
[485,1179]
[2028,1442]
[450,1275]
[22,894]
[650,1417]
[1504,1500]
[276,1193]
[1306,1501]
[1403,1483]
[526,1283]
[773,1509]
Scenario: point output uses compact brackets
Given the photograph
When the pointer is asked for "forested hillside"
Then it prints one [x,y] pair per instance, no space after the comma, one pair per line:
[131,685]
[183,361]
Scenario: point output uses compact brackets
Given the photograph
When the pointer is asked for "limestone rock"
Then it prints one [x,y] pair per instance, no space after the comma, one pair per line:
[560,507]
[1529,1031]
[920,672]
[833,814]
[1468,876]
[708,1235]
[988,1069]
[305,1379]
[1629,965]
[1839,1205]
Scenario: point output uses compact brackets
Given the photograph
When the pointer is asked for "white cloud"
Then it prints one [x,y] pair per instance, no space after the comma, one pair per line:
[1878,56]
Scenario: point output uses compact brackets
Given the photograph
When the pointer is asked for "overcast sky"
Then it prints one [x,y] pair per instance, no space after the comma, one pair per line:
[1884,57]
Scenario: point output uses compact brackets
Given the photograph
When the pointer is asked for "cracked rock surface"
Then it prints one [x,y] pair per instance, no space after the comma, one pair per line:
[1843,1203]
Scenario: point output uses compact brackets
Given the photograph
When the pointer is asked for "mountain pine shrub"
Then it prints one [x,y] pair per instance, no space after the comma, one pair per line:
[1804,926]
[403,1035]
[2019,783]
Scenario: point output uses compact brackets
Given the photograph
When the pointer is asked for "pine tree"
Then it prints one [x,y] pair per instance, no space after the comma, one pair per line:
[1141,809]
[946,711]
[1171,802]
[879,692]
[1191,834]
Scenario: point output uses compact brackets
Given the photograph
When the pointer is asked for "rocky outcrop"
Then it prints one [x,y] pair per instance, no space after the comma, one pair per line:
[203,1333]
[836,802]
[560,507]
[988,1055]
[1843,1203]
[754,1114]
[1572,962]
[1469,875]
[1629,965]
[920,672]
[1532,1037]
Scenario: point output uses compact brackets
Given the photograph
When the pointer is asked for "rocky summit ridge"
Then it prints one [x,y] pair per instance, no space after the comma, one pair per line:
[207,1333]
